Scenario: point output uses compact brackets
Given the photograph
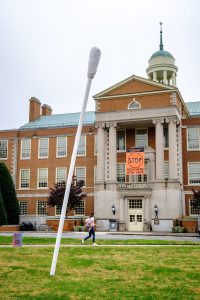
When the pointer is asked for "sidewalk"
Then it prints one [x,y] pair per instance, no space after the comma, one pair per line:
[154,233]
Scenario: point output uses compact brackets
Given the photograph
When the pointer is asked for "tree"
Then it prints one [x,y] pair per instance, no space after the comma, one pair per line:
[56,194]
[196,199]
[3,216]
[10,201]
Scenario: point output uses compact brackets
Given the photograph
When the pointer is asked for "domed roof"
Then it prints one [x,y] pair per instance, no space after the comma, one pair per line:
[161,53]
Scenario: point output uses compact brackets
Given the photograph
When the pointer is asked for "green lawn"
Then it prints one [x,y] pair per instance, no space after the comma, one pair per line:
[101,273]
[7,240]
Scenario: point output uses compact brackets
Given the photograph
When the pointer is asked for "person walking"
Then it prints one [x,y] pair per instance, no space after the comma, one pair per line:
[90,227]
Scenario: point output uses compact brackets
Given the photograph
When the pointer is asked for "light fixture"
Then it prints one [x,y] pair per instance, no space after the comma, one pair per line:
[113,209]
[156,211]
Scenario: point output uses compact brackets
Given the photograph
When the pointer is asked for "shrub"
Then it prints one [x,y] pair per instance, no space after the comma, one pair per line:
[9,195]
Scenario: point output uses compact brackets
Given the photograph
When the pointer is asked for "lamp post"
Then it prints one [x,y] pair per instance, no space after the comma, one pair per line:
[113,209]
[156,220]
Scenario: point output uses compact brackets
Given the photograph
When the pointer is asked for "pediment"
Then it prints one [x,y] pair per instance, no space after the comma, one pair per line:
[133,85]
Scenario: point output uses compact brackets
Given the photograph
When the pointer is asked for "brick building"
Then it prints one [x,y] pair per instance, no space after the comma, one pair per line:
[149,113]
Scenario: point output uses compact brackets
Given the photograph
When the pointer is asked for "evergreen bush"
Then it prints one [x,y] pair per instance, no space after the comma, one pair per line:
[9,196]
[3,216]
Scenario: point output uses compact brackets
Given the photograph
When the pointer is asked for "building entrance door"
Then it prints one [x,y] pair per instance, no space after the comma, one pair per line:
[135,215]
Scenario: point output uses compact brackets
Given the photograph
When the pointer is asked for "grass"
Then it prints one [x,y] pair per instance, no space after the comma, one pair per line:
[7,240]
[101,273]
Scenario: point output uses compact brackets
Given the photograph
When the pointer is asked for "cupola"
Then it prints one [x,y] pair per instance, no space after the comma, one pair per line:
[162,65]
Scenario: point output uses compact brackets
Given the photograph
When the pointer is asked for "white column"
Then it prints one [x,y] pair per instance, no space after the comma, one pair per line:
[174,79]
[112,153]
[154,76]
[173,174]
[100,176]
[165,76]
[121,212]
[159,149]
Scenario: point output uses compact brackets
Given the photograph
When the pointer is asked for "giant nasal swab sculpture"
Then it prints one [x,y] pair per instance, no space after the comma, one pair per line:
[94,58]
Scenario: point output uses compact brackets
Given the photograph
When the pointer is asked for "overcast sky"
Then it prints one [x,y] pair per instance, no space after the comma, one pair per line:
[45,45]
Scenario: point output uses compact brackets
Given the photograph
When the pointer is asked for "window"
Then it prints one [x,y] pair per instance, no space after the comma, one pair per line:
[135,203]
[166,137]
[121,173]
[25,179]
[43,148]
[25,149]
[61,174]
[80,174]
[194,173]
[134,105]
[3,149]
[141,138]
[140,177]
[193,138]
[23,207]
[58,209]
[80,208]
[121,140]
[166,170]
[41,207]
[42,178]
[82,146]
[193,210]
[61,149]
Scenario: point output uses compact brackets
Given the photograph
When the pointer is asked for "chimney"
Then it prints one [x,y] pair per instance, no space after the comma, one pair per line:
[34,109]
[46,110]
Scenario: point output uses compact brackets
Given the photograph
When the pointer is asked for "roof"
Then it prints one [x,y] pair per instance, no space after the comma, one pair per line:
[193,107]
[162,53]
[60,120]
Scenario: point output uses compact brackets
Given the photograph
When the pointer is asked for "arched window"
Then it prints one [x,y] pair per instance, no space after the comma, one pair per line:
[134,105]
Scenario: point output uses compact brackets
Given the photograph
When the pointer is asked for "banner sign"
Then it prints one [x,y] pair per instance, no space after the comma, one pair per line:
[135,161]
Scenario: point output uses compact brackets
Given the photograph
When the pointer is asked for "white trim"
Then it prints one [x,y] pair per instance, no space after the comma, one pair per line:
[82,136]
[191,162]
[47,156]
[196,149]
[136,129]
[6,140]
[121,151]
[58,137]
[24,158]
[42,188]
[56,175]
[20,179]
[82,167]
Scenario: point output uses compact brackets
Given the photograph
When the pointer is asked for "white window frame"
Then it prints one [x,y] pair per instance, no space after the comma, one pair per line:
[44,149]
[83,178]
[25,150]
[62,147]
[24,179]
[82,153]
[121,150]
[39,178]
[193,211]
[60,178]
[198,132]
[44,203]
[23,206]
[166,138]
[134,105]
[189,178]
[4,150]
[166,170]
[141,178]
[58,209]
[136,139]
[80,207]
[122,175]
